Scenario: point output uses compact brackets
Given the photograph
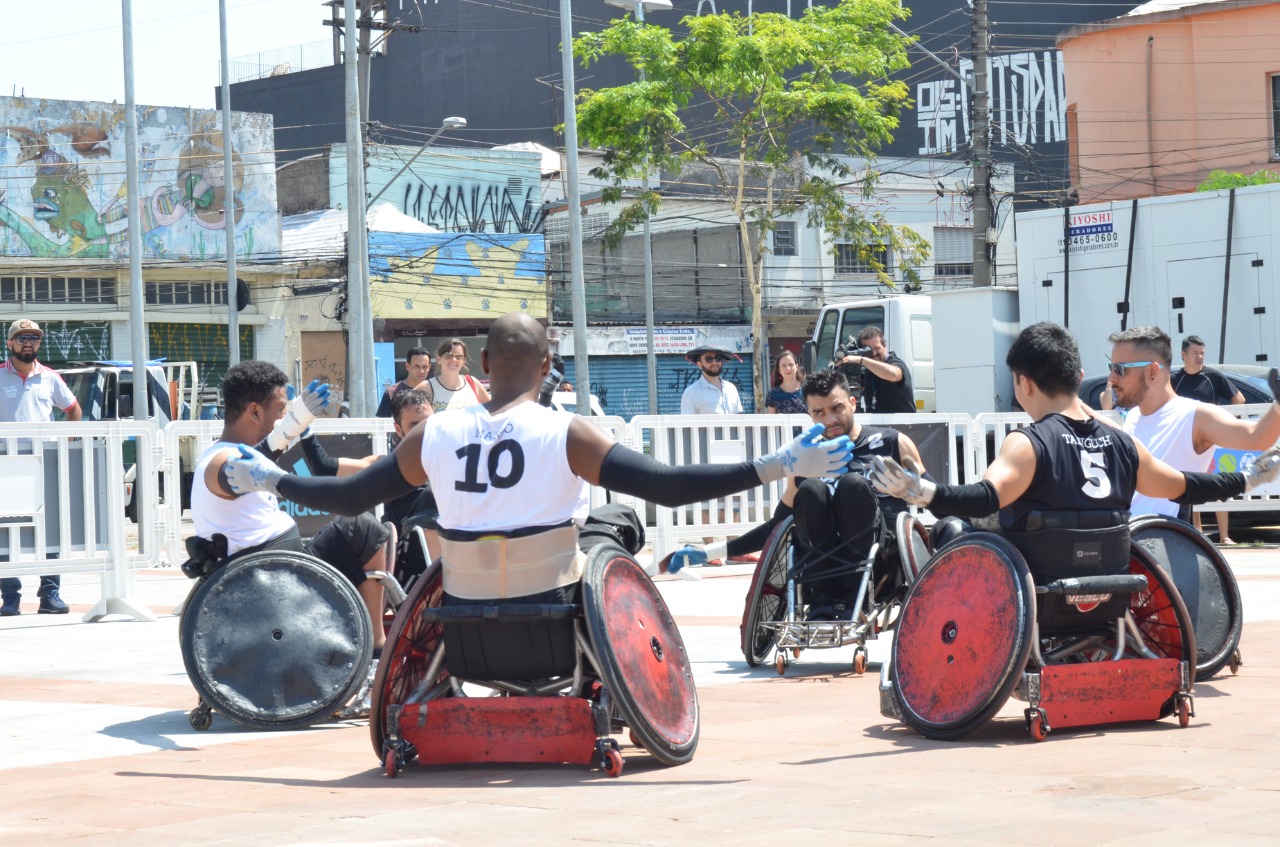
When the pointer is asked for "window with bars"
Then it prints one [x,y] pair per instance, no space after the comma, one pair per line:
[784,238]
[55,290]
[557,229]
[850,259]
[952,251]
[186,293]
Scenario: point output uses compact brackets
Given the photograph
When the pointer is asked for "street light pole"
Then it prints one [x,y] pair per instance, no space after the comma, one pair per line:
[651,356]
[359,322]
[581,368]
[449,123]
[229,198]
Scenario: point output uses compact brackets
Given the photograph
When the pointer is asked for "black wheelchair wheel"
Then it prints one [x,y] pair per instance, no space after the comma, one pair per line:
[276,640]
[1205,582]
[405,658]
[641,657]
[767,598]
[963,637]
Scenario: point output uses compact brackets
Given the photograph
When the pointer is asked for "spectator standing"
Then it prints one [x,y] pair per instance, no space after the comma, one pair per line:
[451,388]
[710,394]
[1177,430]
[29,391]
[888,388]
[417,365]
[785,396]
[1196,381]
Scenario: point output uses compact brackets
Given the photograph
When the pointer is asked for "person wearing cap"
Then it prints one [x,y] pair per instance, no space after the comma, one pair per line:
[29,391]
[710,394]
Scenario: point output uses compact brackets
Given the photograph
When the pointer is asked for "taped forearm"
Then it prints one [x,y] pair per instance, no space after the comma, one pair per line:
[381,482]
[629,472]
[753,541]
[965,501]
[1210,488]
[270,453]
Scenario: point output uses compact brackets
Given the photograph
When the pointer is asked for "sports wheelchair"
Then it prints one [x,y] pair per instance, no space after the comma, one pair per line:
[277,639]
[779,601]
[497,682]
[1106,642]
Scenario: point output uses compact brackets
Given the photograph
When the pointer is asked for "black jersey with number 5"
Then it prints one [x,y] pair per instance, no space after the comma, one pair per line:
[1082,465]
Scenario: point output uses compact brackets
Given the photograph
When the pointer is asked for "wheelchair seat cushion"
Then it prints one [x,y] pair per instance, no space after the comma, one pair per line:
[511,642]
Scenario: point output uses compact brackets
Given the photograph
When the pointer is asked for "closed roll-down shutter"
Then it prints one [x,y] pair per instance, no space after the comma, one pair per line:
[622,382]
[204,344]
[74,341]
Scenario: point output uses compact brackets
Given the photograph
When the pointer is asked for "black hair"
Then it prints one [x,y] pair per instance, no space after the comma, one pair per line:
[416,351]
[1191,339]
[408,399]
[869,332]
[250,381]
[823,382]
[1048,355]
[1151,341]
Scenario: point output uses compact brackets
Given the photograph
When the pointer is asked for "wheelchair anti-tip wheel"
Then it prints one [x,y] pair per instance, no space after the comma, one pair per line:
[276,640]
[1206,584]
[406,657]
[641,657]
[767,598]
[963,637]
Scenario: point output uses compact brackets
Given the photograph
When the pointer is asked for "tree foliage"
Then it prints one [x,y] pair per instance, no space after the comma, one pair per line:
[1220,179]
[786,113]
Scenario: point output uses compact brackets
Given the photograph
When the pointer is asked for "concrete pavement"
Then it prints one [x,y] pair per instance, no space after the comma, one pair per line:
[95,749]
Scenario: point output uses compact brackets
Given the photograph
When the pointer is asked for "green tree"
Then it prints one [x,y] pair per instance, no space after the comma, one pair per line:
[1220,179]
[778,110]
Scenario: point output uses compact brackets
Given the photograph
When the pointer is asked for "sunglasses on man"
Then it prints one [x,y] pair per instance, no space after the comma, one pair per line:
[714,358]
[1118,368]
[26,339]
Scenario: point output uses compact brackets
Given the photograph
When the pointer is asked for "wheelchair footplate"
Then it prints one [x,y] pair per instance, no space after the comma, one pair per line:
[800,635]
[1108,692]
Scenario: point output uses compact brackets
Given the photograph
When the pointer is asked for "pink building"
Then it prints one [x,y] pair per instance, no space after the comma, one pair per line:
[1173,90]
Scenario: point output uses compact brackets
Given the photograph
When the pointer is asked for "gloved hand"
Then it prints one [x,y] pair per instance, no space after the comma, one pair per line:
[1265,468]
[807,455]
[252,471]
[890,478]
[299,414]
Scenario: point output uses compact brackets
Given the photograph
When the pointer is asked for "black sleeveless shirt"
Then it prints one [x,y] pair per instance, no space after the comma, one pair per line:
[1080,465]
[877,441]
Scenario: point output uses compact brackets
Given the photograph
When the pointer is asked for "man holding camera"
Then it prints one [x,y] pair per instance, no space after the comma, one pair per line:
[886,385]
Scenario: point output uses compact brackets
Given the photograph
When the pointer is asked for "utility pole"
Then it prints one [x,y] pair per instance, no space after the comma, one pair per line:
[359,322]
[137,287]
[229,197]
[981,141]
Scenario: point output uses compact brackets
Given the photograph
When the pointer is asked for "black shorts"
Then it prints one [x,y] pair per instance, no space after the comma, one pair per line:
[348,542]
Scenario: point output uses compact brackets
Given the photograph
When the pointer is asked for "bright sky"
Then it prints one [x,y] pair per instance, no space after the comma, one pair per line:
[74,49]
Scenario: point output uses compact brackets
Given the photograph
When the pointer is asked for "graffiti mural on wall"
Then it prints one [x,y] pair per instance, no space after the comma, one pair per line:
[473,208]
[63,192]
[470,275]
[76,341]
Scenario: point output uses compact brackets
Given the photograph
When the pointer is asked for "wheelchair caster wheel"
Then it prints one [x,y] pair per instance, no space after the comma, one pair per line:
[780,663]
[1037,724]
[795,652]
[1235,663]
[201,717]
[391,763]
[612,762]
[860,661]
[1184,710]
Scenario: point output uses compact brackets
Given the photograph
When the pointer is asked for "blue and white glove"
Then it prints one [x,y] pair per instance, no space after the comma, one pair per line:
[252,471]
[1265,468]
[298,415]
[807,455]
[892,479]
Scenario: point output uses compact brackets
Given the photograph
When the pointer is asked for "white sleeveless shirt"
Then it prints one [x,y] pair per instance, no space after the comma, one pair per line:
[502,472]
[246,521]
[1169,435]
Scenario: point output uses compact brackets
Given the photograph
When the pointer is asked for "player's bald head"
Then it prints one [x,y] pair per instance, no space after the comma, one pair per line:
[517,344]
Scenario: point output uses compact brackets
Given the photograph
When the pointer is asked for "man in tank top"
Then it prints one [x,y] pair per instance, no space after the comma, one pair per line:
[1178,430]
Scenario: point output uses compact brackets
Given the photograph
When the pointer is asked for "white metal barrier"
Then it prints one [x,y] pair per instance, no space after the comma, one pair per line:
[74,520]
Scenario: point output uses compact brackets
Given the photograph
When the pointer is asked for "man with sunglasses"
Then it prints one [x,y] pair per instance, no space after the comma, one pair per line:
[710,394]
[29,391]
[1177,430]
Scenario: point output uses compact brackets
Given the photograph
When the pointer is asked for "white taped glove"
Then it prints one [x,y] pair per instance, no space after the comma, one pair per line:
[807,455]
[252,471]
[1265,468]
[299,414]
[891,479]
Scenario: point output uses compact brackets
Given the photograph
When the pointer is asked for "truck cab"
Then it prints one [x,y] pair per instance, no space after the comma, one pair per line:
[907,323]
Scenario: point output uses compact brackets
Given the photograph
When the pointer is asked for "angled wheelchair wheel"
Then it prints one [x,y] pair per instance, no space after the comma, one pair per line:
[642,659]
[1205,582]
[913,546]
[407,654]
[1159,612]
[767,598]
[963,637]
[276,640]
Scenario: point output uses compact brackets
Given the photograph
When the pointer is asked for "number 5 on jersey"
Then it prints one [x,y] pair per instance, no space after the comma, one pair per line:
[1096,485]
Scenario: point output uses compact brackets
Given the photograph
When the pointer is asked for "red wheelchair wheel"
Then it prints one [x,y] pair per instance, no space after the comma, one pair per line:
[963,637]
[406,654]
[641,656]
[767,599]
